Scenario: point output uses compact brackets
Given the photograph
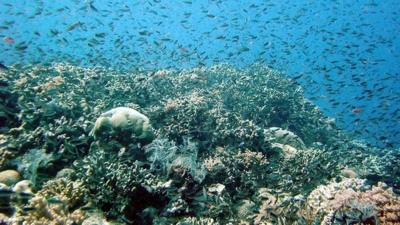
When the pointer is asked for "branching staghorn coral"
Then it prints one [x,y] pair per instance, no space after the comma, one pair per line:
[302,172]
[5,156]
[278,208]
[73,193]
[57,203]
[118,183]
[45,213]
[240,171]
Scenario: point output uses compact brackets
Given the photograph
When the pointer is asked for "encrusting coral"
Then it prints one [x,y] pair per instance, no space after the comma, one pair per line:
[9,177]
[353,201]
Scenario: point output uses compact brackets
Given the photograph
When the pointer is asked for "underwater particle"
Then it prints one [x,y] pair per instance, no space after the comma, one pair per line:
[123,121]
[9,177]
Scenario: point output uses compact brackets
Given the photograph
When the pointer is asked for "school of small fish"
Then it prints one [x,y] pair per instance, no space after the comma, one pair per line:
[344,54]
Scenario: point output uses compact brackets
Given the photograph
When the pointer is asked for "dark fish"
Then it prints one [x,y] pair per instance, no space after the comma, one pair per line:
[28,209]
[3,67]
[6,192]
[26,195]
[55,200]
[21,46]
[100,35]
[91,6]
[74,26]
[88,207]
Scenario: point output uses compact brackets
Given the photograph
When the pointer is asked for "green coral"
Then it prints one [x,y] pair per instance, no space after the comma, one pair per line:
[116,181]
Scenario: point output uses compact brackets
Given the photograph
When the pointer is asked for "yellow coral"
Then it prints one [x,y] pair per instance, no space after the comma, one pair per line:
[54,204]
[70,192]
[49,214]
[5,155]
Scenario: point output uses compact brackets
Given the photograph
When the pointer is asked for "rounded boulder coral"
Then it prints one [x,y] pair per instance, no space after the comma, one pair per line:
[123,122]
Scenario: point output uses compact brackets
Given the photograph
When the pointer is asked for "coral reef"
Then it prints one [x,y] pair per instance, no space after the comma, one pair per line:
[241,172]
[281,136]
[58,203]
[118,182]
[46,213]
[225,146]
[8,104]
[5,157]
[353,201]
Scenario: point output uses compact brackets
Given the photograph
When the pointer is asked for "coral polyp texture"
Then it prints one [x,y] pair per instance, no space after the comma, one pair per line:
[215,145]
[352,201]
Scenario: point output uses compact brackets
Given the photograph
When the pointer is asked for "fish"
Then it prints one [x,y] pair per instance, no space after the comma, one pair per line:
[9,40]
[356,110]
[55,200]
[74,26]
[3,67]
[26,195]
[91,6]
[6,192]
[28,209]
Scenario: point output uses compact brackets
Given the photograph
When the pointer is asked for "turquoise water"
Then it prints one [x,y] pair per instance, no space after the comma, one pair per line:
[346,53]
[199,112]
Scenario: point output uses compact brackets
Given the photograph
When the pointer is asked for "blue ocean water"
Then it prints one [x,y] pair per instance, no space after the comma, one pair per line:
[345,54]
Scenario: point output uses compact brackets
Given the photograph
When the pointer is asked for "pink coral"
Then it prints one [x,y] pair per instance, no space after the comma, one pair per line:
[355,203]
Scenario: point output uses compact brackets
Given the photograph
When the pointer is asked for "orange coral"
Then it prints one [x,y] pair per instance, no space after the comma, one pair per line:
[387,203]
[52,83]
